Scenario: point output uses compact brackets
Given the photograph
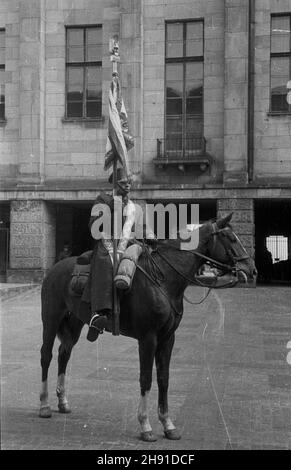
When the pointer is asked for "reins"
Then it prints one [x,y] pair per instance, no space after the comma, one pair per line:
[188,279]
[156,275]
[157,284]
[200,301]
[196,281]
[156,281]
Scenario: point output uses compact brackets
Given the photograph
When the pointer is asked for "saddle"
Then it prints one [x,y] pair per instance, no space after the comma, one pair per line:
[124,275]
[81,273]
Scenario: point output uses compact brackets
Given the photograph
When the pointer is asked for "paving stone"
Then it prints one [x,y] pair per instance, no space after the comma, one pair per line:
[229,381]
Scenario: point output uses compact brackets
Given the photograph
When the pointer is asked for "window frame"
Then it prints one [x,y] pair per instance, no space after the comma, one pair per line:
[184,60]
[85,64]
[279,55]
[2,67]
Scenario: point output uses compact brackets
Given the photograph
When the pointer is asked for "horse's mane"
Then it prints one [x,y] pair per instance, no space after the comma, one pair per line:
[175,243]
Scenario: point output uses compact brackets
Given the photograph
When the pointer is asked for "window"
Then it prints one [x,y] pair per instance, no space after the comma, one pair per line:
[278,246]
[184,86]
[84,72]
[2,68]
[280,62]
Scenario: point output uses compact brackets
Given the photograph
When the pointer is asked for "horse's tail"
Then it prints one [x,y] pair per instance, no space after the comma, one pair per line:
[54,288]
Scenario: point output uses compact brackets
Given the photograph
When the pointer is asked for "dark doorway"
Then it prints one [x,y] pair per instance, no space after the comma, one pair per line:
[82,239]
[4,239]
[72,228]
[273,240]
[73,218]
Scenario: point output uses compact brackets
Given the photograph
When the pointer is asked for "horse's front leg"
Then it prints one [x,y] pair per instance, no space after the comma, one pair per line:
[63,403]
[163,357]
[147,349]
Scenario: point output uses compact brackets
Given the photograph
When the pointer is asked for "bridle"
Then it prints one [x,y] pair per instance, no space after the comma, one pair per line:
[156,275]
[234,256]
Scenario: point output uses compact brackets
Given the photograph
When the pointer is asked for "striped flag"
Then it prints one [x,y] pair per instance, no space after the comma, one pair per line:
[119,140]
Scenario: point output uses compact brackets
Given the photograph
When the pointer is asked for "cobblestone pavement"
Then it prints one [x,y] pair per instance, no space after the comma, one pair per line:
[230,382]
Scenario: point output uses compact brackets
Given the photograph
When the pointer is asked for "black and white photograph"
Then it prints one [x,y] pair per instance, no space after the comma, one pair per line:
[145,228]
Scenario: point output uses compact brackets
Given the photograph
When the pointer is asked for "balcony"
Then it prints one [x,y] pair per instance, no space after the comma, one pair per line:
[175,152]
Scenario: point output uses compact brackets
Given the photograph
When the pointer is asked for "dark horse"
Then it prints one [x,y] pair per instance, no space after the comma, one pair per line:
[151,318]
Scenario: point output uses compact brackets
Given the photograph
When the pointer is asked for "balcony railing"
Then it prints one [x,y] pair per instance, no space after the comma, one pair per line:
[178,151]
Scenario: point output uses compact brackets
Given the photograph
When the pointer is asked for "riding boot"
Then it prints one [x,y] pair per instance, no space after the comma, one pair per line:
[98,322]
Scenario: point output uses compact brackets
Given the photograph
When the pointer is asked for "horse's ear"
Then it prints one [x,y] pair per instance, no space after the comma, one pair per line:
[224,221]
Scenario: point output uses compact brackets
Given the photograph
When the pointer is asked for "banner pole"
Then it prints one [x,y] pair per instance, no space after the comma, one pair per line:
[116,309]
[114,57]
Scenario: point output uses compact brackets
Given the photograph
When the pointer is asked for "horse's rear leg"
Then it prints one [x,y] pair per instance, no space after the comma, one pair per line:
[147,349]
[49,335]
[163,357]
[69,333]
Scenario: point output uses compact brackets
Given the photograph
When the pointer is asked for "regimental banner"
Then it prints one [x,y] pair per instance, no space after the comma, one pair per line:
[119,140]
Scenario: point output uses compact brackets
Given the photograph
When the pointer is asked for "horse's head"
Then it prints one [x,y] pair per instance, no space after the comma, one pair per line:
[224,246]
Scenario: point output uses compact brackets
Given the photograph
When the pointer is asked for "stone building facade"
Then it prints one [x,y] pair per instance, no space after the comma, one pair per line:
[197,80]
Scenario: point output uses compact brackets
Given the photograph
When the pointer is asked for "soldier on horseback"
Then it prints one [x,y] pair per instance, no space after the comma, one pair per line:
[99,289]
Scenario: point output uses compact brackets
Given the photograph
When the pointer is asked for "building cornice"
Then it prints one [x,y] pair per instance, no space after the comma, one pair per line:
[151,192]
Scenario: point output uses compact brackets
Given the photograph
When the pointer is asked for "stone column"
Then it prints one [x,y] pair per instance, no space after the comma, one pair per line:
[236,92]
[131,53]
[242,219]
[32,91]
[32,240]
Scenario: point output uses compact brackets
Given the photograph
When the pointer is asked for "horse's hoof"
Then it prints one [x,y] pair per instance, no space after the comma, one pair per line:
[172,434]
[148,436]
[64,408]
[45,412]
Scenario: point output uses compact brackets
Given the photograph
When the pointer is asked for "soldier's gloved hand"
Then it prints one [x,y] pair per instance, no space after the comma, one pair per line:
[119,256]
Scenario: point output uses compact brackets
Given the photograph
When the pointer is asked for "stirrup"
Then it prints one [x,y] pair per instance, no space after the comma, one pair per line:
[94,318]
[94,331]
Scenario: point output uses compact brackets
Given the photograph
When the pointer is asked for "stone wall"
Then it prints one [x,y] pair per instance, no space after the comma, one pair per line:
[9,78]
[32,240]
[272,132]
[154,17]
[242,219]
[38,146]
[235,92]
[32,91]
[74,150]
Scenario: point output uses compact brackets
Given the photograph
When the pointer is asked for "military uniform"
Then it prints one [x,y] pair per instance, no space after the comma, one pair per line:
[123,215]
[99,289]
